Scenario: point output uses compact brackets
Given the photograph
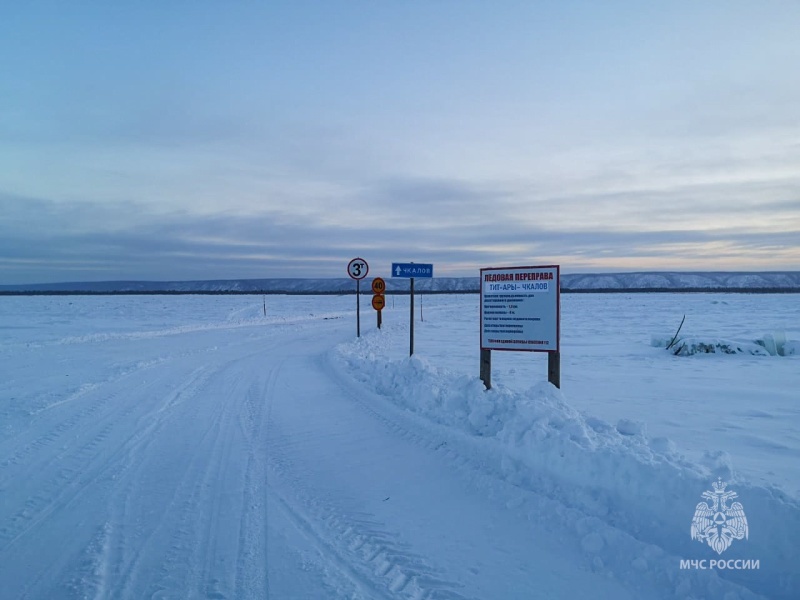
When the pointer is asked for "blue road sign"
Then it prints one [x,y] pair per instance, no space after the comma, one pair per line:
[412,270]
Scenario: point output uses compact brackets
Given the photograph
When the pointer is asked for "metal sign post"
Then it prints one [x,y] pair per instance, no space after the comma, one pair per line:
[486,368]
[378,299]
[554,368]
[412,270]
[357,269]
[411,321]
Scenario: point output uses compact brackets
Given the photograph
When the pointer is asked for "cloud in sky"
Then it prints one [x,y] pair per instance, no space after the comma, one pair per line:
[190,140]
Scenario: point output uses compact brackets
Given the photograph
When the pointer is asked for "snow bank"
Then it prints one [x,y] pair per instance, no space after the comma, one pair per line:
[771,344]
[639,486]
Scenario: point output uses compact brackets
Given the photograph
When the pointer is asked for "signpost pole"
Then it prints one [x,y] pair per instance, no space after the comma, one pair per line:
[554,368]
[357,269]
[411,351]
[486,368]
[412,270]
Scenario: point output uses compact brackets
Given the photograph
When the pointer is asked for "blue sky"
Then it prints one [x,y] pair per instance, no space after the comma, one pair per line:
[211,140]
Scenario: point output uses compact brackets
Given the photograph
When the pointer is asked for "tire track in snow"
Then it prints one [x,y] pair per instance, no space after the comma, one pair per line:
[87,467]
[209,556]
[198,536]
[181,527]
[102,469]
[63,427]
[112,558]
[73,477]
[358,545]
[252,569]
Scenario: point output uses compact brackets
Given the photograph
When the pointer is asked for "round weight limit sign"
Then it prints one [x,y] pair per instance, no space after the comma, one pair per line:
[358,269]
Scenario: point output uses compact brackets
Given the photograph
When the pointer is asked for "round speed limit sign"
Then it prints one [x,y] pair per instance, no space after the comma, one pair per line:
[378,285]
[357,268]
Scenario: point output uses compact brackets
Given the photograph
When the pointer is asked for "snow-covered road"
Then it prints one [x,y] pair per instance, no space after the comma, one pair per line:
[223,465]
[245,457]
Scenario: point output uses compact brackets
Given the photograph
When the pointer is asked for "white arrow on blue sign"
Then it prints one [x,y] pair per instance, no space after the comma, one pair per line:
[412,270]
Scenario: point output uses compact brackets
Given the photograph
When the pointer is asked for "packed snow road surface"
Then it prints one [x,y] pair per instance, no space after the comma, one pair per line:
[276,457]
[235,463]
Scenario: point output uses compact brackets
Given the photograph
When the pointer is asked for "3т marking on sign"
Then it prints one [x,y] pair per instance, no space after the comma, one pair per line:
[357,268]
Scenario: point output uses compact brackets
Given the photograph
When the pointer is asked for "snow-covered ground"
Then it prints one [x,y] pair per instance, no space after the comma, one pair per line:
[191,447]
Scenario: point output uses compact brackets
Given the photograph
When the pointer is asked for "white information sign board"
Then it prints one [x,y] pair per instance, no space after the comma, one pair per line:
[520,308]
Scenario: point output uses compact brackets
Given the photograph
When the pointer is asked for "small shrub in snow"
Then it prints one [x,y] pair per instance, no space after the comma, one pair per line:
[675,339]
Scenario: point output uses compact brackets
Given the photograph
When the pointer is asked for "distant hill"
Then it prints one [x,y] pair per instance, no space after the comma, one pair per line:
[776,281]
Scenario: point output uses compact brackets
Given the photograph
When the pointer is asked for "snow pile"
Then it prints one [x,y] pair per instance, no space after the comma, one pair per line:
[692,345]
[616,475]
[771,344]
